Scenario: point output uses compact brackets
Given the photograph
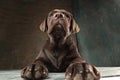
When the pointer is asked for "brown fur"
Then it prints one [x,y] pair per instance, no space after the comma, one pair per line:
[60,53]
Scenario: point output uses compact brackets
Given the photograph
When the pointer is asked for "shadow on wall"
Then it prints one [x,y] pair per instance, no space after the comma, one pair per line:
[99,39]
[20,37]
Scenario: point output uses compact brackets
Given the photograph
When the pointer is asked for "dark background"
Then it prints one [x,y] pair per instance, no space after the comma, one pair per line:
[99,39]
[21,39]
[20,36]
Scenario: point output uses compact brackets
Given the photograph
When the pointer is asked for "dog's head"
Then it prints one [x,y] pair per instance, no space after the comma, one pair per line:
[59,24]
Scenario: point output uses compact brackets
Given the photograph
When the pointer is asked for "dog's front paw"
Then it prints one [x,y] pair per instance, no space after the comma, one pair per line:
[34,71]
[82,71]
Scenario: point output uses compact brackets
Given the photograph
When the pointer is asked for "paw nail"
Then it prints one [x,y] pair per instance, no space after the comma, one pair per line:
[44,72]
[81,72]
[87,71]
[35,69]
[97,72]
[29,69]
[70,74]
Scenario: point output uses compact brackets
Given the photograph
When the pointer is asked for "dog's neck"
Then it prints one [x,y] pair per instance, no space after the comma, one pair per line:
[68,43]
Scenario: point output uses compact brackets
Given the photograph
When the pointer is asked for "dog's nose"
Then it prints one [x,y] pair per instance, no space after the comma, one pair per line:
[59,15]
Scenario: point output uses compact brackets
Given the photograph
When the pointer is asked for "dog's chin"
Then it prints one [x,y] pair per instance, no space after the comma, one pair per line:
[58,33]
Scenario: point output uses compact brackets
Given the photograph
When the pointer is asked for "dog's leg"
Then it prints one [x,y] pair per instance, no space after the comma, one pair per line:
[35,71]
[82,71]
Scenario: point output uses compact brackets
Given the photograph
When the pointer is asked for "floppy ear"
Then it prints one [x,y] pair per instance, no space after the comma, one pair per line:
[74,28]
[43,26]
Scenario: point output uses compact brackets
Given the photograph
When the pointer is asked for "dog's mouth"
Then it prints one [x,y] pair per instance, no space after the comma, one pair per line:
[58,32]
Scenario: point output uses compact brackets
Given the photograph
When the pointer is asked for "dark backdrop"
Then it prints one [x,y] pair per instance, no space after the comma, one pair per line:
[20,37]
[99,39]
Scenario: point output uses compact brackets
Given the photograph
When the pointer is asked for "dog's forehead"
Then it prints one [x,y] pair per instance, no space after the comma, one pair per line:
[60,10]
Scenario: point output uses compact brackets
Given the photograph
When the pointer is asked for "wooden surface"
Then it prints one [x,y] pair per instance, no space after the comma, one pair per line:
[108,73]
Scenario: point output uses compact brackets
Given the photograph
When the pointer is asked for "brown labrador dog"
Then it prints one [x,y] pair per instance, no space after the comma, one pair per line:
[60,53]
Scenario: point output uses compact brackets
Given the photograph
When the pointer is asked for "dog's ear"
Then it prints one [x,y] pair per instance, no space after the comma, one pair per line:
[74,28]
[43,26]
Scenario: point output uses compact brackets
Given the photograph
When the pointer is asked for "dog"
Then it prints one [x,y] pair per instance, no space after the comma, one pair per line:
[60,53]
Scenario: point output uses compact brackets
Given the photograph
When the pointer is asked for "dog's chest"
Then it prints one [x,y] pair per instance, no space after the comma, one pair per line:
[56,58]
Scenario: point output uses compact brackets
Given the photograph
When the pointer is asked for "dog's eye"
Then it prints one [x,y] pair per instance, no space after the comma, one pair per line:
[51,14]
[67,16]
